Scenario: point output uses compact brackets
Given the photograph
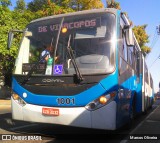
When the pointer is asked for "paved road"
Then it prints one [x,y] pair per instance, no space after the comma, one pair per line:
[5,106]
[56,134]
[148,130]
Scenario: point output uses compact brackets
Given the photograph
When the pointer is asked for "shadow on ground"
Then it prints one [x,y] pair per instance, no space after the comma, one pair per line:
[5,92]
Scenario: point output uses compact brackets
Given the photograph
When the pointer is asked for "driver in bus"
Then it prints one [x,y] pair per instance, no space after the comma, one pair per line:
[49,51]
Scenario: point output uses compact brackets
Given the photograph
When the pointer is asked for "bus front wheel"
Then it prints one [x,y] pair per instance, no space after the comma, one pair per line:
[133,108]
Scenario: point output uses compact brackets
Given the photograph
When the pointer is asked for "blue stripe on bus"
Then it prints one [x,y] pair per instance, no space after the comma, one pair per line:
[81,99]
[135,86]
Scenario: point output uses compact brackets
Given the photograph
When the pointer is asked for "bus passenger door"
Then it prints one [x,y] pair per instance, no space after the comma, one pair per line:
[125,74]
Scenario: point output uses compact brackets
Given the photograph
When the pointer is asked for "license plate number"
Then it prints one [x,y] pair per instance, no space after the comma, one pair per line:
[50,111]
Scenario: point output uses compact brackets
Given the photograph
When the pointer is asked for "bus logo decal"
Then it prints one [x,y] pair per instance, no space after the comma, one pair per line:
[51,80]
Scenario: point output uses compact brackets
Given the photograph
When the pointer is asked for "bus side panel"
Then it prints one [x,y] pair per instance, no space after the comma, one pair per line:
[127,89]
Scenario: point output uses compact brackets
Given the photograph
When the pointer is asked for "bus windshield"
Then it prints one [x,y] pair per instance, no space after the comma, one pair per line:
[92,41]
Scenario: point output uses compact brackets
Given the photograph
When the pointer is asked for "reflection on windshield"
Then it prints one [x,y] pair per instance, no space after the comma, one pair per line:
[90,42]
[91,33]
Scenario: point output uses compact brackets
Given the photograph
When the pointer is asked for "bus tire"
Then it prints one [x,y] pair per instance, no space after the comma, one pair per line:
[145,112]
[133,108]
[132,113]
[146,108]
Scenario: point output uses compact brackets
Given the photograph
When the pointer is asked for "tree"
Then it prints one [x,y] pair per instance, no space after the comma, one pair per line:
[78,5]
[52,8]
[63,6]
[5,3]
[43,8]
[36,5]
[5,22]
[142,38]
[20,5]
[10,20]
[113,4]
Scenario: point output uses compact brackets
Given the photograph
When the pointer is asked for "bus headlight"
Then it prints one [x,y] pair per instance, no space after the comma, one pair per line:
[18,99]
[100,102]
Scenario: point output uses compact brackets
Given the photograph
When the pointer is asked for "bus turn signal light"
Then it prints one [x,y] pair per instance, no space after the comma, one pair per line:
[15,96]
[103,100]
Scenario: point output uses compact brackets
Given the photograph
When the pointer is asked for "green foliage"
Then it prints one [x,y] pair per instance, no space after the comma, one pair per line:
[43,8]
[78,5]
[52,9]
[10,20]
[5,55]
[113,4]
[146,50]
[5,3]
[20,5]
[36,5]
[142,38]
[63,6]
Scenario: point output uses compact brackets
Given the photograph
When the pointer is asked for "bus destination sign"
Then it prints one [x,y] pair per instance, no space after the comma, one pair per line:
[89,23]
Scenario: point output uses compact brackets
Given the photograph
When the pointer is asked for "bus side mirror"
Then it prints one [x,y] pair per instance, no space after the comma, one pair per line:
[10,39]
[11,35]
[129,37]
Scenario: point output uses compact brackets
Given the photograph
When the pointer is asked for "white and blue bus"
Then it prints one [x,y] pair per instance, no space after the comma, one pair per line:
[99,80]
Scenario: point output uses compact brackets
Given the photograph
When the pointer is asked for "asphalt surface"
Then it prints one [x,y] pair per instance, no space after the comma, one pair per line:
[5,92]
[148,130]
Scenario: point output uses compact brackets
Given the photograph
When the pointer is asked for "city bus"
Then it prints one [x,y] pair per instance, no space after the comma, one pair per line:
[99,81]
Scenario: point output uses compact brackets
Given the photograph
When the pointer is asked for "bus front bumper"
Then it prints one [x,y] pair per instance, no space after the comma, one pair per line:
[103,118]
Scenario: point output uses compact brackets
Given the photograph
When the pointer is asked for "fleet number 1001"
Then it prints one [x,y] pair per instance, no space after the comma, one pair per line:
[62,101]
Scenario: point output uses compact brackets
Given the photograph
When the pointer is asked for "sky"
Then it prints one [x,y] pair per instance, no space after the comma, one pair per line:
[143,12]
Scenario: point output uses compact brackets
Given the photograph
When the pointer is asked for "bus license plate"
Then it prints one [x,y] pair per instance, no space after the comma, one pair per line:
[50,111]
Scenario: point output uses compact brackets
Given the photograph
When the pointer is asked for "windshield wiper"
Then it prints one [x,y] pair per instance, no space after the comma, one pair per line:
[33,69]
[70,52]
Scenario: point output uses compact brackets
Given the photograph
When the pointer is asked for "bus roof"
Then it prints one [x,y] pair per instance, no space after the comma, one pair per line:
[111,10]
